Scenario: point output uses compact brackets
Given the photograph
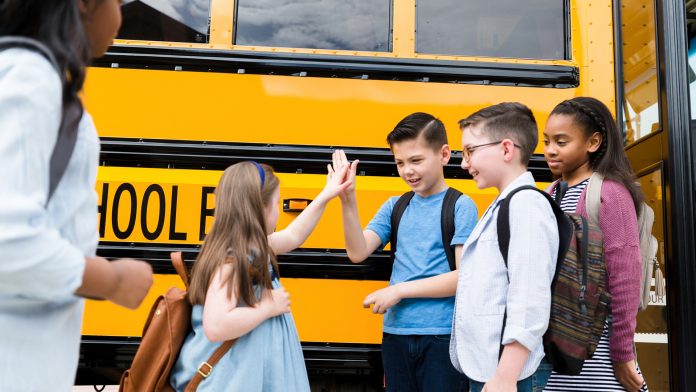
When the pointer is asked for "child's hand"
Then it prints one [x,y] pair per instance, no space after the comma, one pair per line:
[277,303]
[337,180]
[628,376]
[383,299]
[134,278]
[498,384]
[339,160]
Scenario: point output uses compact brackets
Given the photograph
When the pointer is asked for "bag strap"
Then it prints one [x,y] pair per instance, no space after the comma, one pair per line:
[593,198]
[180,267]
[397,212]
[205,368]
[70,119]
[447,225]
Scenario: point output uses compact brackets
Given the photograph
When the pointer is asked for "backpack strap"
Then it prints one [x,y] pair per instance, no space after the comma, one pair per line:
[593,201]
[397,212]
[180,267]
[205,368]
[70,120]
[447,225]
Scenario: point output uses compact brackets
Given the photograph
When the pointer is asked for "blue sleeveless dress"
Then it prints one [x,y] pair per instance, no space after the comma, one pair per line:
[267,359]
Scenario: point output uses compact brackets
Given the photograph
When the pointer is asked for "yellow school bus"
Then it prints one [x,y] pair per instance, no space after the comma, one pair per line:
[190,87]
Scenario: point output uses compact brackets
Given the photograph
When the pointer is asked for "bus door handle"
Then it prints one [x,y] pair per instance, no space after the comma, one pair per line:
[295,205]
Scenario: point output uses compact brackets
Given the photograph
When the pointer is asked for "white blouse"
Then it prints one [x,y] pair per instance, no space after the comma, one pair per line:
[42,247]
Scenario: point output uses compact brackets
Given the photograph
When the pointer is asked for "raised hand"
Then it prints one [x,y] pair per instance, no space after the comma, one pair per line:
[337,180]
[339,161]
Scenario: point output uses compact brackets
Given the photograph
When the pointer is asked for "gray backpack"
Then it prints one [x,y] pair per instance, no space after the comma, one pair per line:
[648,242]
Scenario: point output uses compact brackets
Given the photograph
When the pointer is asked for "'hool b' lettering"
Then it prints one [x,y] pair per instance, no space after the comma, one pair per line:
[151,227]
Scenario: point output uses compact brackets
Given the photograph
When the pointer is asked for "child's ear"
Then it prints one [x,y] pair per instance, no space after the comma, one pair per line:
[508,149]
[445,154]
[594,142]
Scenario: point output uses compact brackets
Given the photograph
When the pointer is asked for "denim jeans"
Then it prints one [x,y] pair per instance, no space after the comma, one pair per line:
[534,383]
[420,363]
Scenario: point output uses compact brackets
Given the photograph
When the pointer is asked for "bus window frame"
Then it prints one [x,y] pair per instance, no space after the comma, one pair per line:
[567,41]
[390,38]
[619,76]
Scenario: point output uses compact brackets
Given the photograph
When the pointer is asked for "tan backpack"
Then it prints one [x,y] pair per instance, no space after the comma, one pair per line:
[648,242]
[164,332]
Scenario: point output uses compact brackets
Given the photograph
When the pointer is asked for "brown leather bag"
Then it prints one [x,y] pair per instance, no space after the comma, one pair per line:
[164,332]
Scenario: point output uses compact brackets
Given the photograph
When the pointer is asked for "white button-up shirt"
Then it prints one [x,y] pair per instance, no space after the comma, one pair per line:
[42,247]
[483,291]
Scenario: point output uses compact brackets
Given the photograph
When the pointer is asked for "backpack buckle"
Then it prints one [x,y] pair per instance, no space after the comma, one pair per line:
[205,373]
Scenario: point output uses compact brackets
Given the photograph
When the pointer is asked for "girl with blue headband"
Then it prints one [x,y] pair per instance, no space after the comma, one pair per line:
[235,290]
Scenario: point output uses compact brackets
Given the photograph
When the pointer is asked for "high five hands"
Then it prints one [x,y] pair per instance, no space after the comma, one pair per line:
[337,167]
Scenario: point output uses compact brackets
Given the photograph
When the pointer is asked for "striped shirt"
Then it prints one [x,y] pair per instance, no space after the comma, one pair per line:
[570,199]
[597,372]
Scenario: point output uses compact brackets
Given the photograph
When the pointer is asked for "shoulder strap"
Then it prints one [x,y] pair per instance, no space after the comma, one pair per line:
[72,113]
[503,223]
[593,198]
[561,189]
[180,267]
[447,225]
[397,212]
[205,368]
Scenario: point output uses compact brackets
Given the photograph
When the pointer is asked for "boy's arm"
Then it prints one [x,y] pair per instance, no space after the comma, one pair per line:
[531,265]
[359,243]
[509,368]
[439,286]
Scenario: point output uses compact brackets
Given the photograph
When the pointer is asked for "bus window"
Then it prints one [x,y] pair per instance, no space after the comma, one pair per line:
[532,29]
[166,20]
[640,106]
[327,24]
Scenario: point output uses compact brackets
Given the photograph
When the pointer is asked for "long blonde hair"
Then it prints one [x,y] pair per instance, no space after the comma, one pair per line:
[238,235]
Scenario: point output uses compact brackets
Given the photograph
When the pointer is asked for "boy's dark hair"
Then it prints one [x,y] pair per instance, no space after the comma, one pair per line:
[57,25]
[610,160]
[417,124]
[507,120]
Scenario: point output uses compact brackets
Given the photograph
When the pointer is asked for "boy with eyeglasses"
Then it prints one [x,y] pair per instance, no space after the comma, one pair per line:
[501,313]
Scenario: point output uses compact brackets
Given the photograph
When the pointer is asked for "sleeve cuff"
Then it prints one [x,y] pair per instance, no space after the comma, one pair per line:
[516,334]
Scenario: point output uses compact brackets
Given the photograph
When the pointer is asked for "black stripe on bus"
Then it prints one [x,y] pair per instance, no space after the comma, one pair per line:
[335,66]
[283,158]
[103,359]
[301,263]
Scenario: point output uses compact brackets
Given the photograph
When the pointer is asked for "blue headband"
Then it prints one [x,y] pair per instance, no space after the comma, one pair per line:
[262,174]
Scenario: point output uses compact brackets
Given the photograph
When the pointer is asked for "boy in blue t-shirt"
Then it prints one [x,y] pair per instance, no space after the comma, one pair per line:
[419,300]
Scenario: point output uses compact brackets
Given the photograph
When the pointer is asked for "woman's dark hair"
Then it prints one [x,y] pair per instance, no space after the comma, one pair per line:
[56,24]
[610,159]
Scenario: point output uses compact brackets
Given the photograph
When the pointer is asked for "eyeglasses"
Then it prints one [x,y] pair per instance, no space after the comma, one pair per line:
[468,151]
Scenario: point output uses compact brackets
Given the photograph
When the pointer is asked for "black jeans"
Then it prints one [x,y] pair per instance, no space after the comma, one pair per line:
[420,363]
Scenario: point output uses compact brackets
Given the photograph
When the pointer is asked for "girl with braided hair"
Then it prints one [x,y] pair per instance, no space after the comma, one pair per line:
[581,138]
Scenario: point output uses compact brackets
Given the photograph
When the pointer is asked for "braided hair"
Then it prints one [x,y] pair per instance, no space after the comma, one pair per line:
[610,160]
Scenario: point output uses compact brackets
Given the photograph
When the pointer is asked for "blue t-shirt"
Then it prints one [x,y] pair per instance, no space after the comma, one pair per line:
[420,254]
